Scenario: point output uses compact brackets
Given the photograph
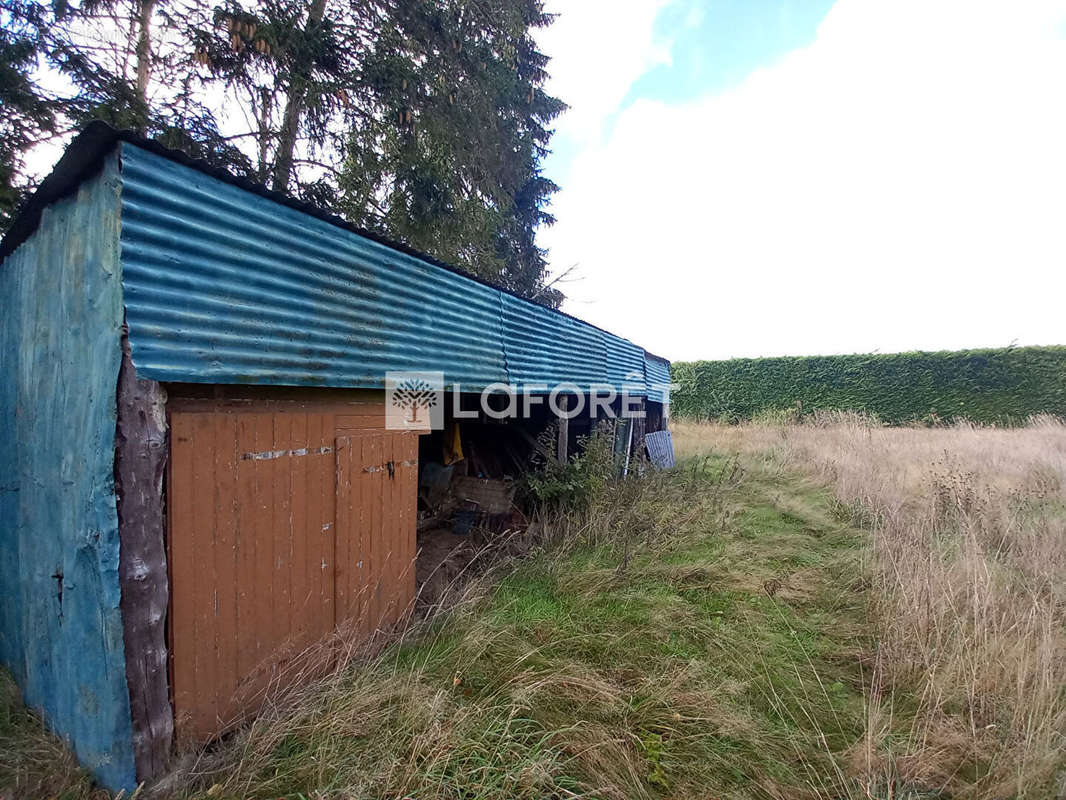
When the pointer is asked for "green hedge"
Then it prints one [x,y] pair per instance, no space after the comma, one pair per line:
[988,386]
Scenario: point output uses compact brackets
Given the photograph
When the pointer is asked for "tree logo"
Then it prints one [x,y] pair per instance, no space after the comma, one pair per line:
[414,401]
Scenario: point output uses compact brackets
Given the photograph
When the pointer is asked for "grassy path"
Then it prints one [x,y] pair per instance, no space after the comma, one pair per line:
[700,639]
[699,636]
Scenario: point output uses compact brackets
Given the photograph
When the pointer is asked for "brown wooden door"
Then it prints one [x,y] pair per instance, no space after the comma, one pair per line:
[251,549]
[377,475]
[279,529]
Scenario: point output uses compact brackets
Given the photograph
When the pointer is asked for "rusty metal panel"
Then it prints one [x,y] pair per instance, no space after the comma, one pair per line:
[251,553]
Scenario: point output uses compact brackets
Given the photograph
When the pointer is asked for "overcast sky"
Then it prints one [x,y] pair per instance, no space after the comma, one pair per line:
[766,177]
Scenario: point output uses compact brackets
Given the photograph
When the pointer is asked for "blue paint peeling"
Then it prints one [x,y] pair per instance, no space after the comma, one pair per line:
[60,624]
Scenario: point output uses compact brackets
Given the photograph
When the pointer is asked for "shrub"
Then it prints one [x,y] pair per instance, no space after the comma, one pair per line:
[575,484]
[1004,386]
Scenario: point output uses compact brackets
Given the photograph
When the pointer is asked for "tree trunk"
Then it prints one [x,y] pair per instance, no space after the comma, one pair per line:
[144,55]
[294,107]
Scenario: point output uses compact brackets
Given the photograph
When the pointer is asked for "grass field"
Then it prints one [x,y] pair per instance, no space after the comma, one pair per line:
[832,610]
[967,605]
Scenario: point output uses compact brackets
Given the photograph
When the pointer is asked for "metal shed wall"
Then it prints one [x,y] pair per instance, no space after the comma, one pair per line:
[223,285]
[657,375]
[544,347]
[60,624]
[625,364]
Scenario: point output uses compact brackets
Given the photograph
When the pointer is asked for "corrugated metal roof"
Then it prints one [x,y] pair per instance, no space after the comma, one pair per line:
[543,347]
[625,364]
[225,286]
[228,282]
[657,375]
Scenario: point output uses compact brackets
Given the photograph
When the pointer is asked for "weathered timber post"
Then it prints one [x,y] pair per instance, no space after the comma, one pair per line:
[140,462]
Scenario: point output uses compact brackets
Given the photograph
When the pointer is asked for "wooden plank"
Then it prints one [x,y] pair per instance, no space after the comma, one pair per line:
[327,518]
[299,534]
[397,529]
[225,557]
[320,526]
[371,420]
[247,514]
[342,566]
[281,532]
[262,530]
[183,572]
[371,497]
[201,536]
[385,534]
[408,526]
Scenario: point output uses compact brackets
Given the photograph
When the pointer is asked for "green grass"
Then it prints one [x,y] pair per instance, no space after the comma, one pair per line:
[659,669]
[644,657]
[33,763]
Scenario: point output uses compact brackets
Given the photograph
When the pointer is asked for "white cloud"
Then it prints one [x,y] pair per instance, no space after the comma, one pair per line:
[901,183]
[598,48]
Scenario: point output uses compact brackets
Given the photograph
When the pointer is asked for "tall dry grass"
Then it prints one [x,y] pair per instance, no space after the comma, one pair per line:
[469,702]
[968,586]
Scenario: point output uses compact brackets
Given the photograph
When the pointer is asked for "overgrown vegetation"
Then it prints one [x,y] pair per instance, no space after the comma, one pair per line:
[33,763]
[967,685]
[828,610]
[572,485]
[1004,386]
[690,634]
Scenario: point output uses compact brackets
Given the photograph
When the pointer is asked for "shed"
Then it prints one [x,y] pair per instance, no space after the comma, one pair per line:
[196,480]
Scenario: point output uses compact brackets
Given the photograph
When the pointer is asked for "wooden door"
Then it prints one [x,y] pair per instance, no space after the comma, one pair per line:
[251,507]
[279,530]
[377,476]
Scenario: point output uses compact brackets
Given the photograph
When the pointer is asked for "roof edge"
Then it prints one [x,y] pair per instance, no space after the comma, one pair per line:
[84,156]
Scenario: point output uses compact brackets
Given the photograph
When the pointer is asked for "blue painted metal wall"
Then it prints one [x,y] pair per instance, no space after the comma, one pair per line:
[657,375]
[625,363]
[60,625]
[225,286]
